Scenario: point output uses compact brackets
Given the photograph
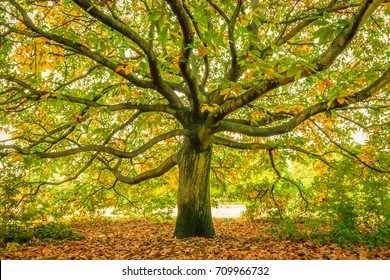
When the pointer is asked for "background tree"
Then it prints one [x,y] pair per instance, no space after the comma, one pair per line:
[113,93]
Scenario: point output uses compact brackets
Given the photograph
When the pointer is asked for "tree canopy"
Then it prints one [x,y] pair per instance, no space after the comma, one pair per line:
[97,97]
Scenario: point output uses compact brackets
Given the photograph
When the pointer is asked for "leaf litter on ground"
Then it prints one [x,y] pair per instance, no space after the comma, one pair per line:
[142,239]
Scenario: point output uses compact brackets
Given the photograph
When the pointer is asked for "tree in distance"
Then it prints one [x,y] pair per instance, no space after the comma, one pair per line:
[120,92]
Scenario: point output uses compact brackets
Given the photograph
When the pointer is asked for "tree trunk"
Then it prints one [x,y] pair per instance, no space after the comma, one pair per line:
[194,209]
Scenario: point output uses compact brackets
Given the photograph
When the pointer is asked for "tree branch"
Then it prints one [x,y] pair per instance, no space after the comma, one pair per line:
[234,71]
[308,112]
[321,63]
[271,156]
[94,148]
[186,52]
[205,57]
[125,30]
[240,145]
[349,152]
[219,10]
[153,173]
[37,95]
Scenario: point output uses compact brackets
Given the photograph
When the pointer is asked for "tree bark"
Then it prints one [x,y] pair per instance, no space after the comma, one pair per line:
[194,209]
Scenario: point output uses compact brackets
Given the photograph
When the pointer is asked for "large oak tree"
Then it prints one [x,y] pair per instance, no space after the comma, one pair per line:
[128,89]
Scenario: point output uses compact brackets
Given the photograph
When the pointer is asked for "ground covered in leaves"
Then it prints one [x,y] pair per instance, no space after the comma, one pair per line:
[144,240]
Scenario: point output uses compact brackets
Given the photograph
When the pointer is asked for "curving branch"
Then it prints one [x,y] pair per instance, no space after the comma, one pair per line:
[280,176]
[240,145]
[167,165]
[350,153]
[37,95]
[205,57]
[307,113]
[158,82]
[233,72]
[346,35]
[322,62]
[52,183]
[186,52]
[93,148]
[284,38]
[219,10]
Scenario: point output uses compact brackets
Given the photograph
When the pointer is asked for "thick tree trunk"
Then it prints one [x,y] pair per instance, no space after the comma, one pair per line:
[194,209]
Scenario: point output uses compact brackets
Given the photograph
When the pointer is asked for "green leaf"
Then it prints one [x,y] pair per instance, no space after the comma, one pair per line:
[292,70]
[320,22]
[298,75]
[323,34]
[155,16]
[28,161]
[327,15]
[343,22]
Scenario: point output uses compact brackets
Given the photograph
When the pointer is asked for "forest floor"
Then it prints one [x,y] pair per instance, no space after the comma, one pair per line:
[143,239]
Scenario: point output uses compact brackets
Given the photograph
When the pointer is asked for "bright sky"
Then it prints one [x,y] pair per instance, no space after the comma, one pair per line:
[3,136]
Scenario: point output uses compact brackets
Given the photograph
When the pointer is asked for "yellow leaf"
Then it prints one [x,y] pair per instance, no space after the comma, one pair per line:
[41,40]
[250,74]
[128,69]
[204,108]
[215,49]
[16,157]
[123,87]
[75,119]
[119,68]
[225,91]
[330,103]
[207,107]
[177,35]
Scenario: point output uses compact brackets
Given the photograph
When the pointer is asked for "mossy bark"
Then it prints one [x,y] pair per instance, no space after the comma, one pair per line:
[194,209]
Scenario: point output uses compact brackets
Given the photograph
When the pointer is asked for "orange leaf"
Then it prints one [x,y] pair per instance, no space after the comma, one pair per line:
[321,87]
[202,50]
[45,95]
[341,100]
[128,69]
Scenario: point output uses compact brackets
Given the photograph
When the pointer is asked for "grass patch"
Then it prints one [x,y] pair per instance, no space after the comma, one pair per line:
[38,233]
[321,232]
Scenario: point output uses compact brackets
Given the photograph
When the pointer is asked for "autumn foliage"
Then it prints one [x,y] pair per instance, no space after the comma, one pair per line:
[145,240]
[139,107]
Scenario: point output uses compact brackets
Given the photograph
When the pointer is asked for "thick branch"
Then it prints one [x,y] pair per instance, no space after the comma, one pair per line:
[79,48]
[157,172]
[157,84]
[95,148]
[205,57]
[308,112]
[234,70]
[37,95]
[347,34]
[240,145]
[125,30]
[320,63]
[186,52]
